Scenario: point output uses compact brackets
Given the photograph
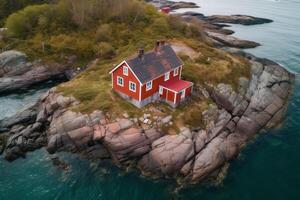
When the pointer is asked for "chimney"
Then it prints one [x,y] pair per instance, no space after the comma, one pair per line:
[156,49]
[141,53]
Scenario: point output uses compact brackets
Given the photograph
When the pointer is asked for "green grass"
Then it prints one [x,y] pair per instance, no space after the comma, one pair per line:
[93,87]
[112,41]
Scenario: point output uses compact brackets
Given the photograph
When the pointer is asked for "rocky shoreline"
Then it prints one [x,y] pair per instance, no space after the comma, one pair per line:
[18,74]
[216,31]
[191,156]
[215,26]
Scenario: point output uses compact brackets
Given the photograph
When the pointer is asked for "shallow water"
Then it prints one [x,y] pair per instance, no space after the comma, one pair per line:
[269,168]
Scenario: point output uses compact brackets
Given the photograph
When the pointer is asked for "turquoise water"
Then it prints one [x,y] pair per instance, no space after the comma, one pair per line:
[269,168]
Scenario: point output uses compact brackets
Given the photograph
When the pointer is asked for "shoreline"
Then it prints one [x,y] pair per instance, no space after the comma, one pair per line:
[50,123]
[51,111]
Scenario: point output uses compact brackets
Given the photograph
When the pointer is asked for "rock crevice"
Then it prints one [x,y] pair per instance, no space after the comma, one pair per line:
[191,156]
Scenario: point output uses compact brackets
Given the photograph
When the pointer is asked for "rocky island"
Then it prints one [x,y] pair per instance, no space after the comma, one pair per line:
[82,116]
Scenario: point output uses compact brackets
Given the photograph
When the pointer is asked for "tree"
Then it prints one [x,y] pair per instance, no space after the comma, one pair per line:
[8,7]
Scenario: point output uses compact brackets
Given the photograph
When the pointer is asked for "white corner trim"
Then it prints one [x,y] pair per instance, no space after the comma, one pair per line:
[114,69]
[140,93]
[175,95]
[124,61]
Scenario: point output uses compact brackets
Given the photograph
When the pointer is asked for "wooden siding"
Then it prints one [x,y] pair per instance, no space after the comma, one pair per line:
[188,91]
[125,89]
[156,82]
[170,96]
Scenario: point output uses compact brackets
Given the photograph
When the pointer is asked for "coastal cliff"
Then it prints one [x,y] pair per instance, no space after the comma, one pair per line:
[235,115]
[190,156]
[19,74]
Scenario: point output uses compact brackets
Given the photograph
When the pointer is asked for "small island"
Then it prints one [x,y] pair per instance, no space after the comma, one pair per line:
[235,94]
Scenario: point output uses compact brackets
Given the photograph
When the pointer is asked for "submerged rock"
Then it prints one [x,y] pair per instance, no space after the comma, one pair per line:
[60,164]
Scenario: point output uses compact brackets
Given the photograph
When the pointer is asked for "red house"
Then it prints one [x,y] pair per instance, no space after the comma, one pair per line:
[152,76]
[166,10]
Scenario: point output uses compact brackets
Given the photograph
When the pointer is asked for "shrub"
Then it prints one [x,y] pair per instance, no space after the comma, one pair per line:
[176,23]
[9,6]
[38,18]
[160,25]
[72,45]
[105,50]
[195,30]
[104,33]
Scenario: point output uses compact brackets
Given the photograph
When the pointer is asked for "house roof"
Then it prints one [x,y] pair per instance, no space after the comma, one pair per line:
[154,64]
[177,85]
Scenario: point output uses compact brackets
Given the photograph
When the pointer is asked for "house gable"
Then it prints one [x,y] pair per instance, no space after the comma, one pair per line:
[121,65]
[118,72]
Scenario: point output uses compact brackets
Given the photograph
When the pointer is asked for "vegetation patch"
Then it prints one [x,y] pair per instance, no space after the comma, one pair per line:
[111,31]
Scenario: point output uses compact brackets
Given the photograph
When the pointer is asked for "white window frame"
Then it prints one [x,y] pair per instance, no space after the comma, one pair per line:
[125,70]
[132,83]
[149,87]
[167,76]
[176,72]
[120,78]
[161,90]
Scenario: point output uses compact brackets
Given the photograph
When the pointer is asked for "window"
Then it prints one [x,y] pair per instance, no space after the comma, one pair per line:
[167,76]
[120,81]
[176,71]
[149,86]
[161,90]
[183,94]
[125,71]
[132,86]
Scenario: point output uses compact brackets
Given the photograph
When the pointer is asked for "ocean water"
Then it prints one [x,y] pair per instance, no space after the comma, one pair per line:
[269,168]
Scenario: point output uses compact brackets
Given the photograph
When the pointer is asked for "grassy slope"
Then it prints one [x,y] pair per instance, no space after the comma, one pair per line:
[93,87]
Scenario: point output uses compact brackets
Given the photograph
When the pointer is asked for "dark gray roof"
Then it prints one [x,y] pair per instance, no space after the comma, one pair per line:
[154,64]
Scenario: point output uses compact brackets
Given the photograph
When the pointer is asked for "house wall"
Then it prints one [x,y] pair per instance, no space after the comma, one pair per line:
[178,98]
[164,94]
[167,95]
[156,82]
[170,96]
[126,79]
[138,103]
[188,91]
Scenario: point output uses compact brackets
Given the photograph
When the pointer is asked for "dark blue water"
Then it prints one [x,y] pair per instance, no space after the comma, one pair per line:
[269,168]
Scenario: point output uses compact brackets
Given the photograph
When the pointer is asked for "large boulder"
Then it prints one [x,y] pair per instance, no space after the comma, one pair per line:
[168,154]
[16,73]
[237,19]
[231,41]
[12,63]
